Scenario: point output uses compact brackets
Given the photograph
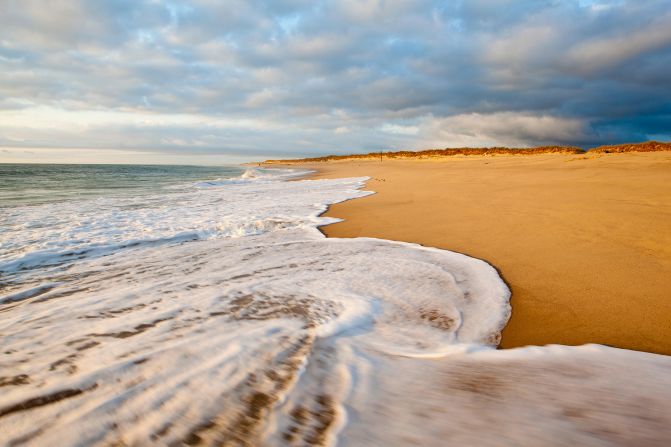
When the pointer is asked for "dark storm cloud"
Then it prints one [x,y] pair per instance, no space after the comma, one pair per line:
[294,76]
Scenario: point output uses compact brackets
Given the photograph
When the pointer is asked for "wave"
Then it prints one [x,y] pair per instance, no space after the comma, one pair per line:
[51,258]
[54,234]
[255,175]
[255,321]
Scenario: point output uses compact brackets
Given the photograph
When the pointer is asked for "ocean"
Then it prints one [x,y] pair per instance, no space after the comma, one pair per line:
[31,184]
[176,305]
[172,295]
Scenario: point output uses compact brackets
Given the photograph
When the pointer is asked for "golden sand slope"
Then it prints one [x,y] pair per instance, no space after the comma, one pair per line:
[584,241]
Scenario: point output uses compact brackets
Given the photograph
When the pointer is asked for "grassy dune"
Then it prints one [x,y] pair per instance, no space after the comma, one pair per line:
[649,146]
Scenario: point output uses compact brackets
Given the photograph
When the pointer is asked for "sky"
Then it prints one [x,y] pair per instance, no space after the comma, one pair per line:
[214,82]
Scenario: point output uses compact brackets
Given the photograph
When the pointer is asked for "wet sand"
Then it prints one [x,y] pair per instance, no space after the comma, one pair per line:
[583,241]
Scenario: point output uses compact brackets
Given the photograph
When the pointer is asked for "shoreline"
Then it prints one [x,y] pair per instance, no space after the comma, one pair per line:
[294,337]
[553,299]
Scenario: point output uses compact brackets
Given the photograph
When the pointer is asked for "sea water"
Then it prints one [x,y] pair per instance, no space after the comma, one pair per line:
[186,305]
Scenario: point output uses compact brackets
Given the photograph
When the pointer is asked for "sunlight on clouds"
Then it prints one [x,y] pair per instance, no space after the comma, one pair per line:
[605,52]
[514,129]
[399,129]
[43,117]
[107,156]
[313,77]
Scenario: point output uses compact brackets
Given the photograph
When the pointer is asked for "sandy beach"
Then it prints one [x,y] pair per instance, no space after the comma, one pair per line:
[216,313]
[583,241]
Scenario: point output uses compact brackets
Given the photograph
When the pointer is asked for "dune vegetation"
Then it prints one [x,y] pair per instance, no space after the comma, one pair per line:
[648,146]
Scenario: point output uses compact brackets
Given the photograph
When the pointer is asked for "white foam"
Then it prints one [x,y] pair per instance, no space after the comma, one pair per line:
[215,312]
[41,235]
[256,175]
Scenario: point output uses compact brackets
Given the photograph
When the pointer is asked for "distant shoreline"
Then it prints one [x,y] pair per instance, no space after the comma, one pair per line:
[648,146]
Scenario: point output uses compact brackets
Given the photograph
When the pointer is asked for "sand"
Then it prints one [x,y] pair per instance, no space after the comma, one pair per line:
[583,241]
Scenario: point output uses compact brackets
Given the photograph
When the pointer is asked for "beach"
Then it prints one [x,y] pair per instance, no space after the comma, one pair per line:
[204,306]
[583,241]
[335,223]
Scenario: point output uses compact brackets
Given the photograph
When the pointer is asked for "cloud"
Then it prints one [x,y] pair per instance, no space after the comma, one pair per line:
[399,129]
[610,51]
[516,129]
[294,77]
